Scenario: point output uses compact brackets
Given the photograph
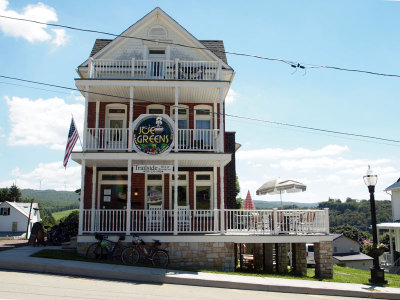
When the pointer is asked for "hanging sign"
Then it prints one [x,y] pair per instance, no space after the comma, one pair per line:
[153,134]
[158,169]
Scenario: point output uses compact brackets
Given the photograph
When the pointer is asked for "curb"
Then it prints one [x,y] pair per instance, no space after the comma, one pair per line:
[136,274]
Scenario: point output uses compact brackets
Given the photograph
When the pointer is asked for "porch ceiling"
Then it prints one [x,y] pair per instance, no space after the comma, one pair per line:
[157,91]
[121,159]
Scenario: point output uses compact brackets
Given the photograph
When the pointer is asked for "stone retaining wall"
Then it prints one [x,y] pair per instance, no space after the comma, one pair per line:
[194,255]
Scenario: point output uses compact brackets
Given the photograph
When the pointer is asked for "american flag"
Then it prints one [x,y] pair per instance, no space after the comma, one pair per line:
[72,138]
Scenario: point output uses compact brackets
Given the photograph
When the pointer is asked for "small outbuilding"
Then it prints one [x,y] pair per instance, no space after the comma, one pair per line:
[14,217]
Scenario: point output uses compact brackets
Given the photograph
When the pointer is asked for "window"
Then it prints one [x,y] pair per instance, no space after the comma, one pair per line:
[203,191]
[183,197]
[155,109]
[183,116]
[5,211]
[154,189]
[157,51]
[157,31]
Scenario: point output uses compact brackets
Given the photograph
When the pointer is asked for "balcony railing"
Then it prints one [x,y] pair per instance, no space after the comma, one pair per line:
[264,222]
[154,69]
[115,139]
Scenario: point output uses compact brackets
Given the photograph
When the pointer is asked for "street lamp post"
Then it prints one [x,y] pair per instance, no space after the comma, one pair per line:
[377,274]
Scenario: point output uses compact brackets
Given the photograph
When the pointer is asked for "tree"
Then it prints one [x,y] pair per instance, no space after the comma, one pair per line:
[237,191]
[4,195]
[351,232]
[15,193]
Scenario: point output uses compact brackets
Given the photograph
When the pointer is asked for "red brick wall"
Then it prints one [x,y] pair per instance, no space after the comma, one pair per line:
[88,188]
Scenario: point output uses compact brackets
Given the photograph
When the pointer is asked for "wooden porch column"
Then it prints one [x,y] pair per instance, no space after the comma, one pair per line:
[85,123]
[93,214]
[175,197]
[83,171]
[222,187]
[176,120]
[216,220]
[221,120]
[128,203]
[130,133]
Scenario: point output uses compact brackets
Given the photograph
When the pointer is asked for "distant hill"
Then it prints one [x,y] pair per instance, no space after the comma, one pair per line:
[263,204]
[51,200]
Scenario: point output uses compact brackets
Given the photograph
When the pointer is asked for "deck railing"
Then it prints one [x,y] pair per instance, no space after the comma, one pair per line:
[264,222]
[154,69]
[116,139]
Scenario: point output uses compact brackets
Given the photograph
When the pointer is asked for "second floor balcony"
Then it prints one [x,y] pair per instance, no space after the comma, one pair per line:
[155,69]
[116,139]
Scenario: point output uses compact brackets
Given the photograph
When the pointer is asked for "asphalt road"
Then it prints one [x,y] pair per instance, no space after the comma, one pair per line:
[19,285]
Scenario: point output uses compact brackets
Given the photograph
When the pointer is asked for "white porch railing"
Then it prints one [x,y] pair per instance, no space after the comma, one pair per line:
[265,222]
[154,69]
[107,139]
[198,140]
[117,139]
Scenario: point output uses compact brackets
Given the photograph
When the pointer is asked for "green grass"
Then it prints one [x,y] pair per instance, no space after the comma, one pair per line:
[61,214]
[340,274]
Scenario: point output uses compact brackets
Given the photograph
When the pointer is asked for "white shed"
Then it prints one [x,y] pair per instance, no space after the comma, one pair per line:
[14,217]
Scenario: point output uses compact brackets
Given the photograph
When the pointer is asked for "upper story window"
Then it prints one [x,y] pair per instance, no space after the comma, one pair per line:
[116,116]
[157,32]
[203,116]
[5,211]
[183,116]
[156,52]
[155,109]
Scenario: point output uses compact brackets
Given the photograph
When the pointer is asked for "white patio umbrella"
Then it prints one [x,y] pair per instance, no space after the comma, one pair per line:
[279,186]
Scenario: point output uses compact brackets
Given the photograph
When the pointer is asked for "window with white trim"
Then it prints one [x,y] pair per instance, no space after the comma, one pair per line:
[183,190]
[154,189]
[155,109]
[183,116]
[203,116]
[5,211]
[203,190]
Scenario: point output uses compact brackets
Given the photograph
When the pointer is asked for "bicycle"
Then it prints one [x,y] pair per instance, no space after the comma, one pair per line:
[105,248]
[139,249]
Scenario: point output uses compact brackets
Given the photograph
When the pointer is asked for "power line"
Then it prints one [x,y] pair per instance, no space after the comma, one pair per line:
[293,64]
[315,129]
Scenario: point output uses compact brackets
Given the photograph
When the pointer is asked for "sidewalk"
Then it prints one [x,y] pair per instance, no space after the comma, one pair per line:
[19,259]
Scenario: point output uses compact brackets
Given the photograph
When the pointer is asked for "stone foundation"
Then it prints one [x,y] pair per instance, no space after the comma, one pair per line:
[323,260]
[299,259]
[193,255]
[282,258]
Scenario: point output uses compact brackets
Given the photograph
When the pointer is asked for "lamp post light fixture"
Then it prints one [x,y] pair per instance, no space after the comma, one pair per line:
[377,274]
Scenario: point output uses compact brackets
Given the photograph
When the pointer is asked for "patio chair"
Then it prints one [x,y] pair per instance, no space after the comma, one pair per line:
[155,218]
[184,218]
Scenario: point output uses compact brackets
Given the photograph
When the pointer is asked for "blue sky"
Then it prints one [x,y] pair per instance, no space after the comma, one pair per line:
[354,34]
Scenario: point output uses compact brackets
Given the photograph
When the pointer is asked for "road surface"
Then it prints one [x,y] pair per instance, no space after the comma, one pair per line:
[31,286]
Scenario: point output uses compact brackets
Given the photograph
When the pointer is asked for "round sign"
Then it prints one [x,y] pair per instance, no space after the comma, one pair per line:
[153,134]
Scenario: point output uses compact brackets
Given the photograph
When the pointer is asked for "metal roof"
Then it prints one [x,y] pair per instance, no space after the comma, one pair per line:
[351,257]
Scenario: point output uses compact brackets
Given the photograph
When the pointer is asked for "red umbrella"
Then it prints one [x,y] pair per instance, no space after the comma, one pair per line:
[248,203]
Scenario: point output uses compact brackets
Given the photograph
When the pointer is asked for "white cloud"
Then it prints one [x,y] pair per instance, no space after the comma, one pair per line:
[331,171]
[76,97]
[276,153]
[2,135]
[30,31]
[231,96]
[42,121]
[48,176]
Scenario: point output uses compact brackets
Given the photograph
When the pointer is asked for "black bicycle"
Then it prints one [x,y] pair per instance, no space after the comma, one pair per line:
[105,248]
[140,250]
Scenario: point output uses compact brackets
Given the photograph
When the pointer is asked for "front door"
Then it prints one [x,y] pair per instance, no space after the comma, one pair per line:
[113,196]
[116,133]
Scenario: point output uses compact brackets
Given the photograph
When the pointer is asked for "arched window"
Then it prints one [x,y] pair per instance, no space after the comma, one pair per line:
[157,32]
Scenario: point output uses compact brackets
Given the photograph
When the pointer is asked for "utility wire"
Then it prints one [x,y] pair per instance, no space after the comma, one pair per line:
[315,129]
[293,64]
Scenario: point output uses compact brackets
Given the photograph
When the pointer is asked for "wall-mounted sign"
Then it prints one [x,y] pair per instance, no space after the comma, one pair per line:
[153,169]
[153,134]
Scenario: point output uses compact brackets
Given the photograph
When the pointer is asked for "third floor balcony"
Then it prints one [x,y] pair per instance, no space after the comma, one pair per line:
[155,69]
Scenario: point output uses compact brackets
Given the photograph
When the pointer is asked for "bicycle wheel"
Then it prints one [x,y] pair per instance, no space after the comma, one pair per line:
[130,256]
[116,255]
[160,258]
[95,251]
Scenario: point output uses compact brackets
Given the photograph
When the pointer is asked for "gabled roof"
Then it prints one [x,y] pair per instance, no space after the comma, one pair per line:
[216,47]
[394,186]
[22,207]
